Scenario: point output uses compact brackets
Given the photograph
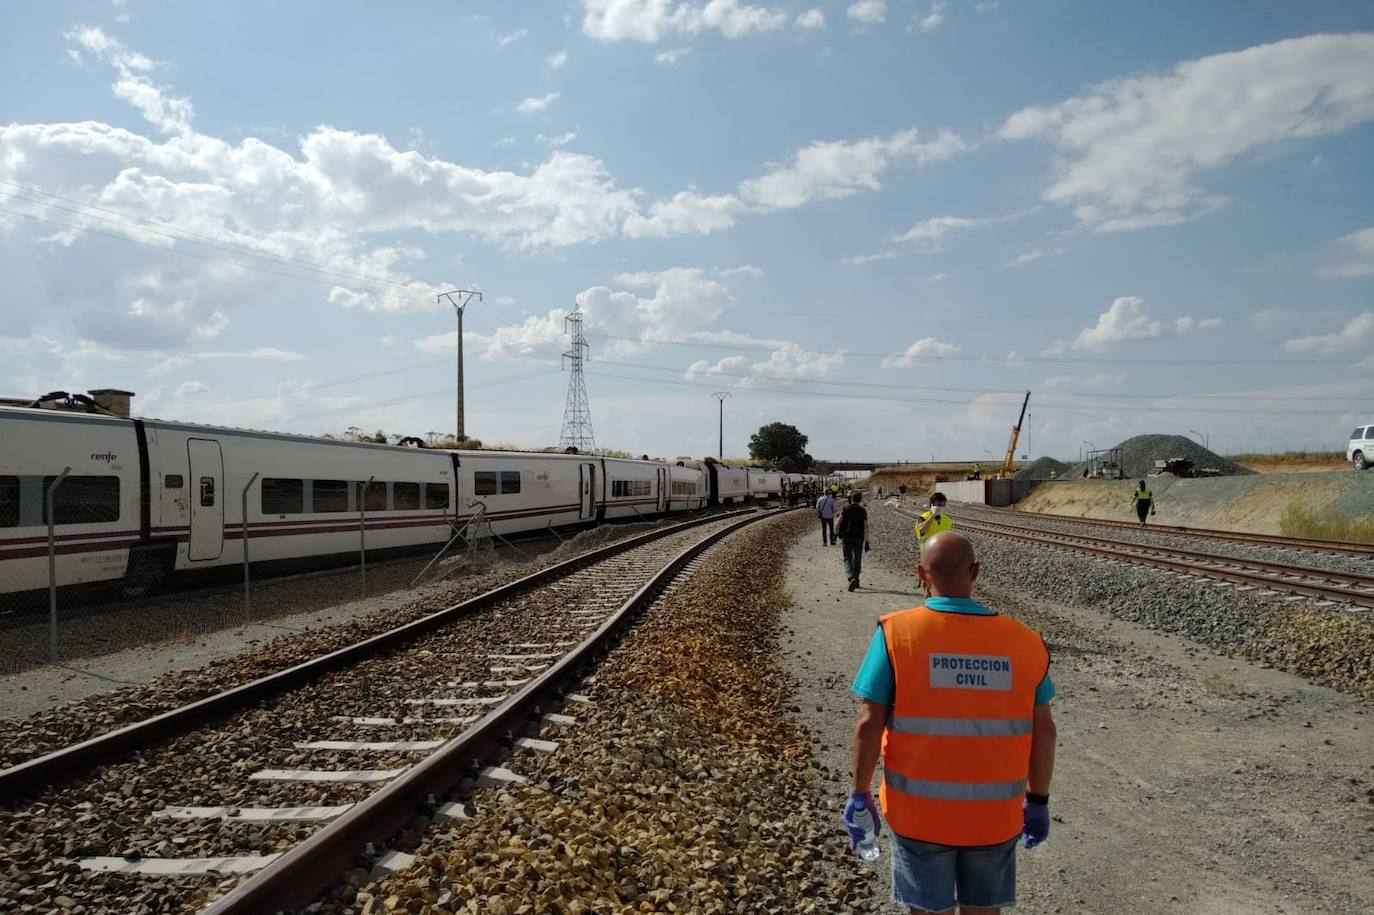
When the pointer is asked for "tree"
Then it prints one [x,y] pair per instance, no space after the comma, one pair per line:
[782,446]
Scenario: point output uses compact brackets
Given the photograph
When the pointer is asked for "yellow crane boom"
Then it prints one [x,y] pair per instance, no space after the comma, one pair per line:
[1009,465]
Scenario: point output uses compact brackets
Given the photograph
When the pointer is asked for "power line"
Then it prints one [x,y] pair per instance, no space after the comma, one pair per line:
[966,403]
[441,392]
[962,390]
[955,357]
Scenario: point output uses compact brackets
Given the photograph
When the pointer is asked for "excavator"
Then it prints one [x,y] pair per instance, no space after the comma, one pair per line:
[1009,465]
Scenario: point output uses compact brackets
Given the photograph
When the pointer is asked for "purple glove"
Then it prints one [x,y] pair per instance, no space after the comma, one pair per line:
[1036,820]
[860,800]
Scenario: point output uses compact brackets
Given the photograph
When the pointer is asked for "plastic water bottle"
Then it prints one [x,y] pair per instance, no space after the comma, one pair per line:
[868,845]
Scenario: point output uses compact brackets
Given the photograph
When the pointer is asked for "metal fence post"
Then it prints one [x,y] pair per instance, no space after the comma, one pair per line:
[52,563]
[362,532]
[247,600]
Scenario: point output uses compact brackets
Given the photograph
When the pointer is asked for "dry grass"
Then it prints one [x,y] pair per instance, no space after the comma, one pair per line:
[1302,522]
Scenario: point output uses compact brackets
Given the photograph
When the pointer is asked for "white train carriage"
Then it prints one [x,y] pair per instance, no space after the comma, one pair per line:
[765,484]
[729,484]
[689,488]
[525,491]
[634,489]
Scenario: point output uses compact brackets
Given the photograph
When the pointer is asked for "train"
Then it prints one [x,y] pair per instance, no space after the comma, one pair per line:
[146,499]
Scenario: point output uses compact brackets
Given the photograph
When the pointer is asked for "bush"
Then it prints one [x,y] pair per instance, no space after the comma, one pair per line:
[1299,521]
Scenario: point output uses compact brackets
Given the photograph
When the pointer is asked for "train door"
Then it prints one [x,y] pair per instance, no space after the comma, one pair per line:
[206,498]
[587,475]
[663,489]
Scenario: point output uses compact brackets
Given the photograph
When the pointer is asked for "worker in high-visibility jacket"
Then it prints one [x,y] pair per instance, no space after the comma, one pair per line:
[1144,502]
[933,521]
[956,700]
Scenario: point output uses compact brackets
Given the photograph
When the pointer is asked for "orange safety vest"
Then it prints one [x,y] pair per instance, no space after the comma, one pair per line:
[956,751]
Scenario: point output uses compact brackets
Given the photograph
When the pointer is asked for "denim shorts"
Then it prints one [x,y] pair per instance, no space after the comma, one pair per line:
[933,878]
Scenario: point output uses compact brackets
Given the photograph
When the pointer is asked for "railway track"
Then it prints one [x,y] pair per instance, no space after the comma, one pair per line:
[1339,547]
[290,778]
[1346,588]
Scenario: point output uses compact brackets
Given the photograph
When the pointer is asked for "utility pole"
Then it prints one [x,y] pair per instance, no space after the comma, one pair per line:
[459,299]
[720,396]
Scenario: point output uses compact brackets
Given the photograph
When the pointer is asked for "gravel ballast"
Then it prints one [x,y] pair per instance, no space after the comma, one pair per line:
[684,787]
[1330,647]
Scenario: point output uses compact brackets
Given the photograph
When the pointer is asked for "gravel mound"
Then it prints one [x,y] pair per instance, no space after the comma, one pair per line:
[1040,469]
[1139,453]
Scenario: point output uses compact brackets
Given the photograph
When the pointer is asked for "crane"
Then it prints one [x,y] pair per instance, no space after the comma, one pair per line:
[1009,465]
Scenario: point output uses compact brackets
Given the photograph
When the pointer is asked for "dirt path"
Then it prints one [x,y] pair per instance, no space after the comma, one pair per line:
[1187,781]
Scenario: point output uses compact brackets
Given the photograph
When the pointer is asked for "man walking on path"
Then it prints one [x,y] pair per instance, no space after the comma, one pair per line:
[1144,503]
[956,700]
[853,531]
[825,510]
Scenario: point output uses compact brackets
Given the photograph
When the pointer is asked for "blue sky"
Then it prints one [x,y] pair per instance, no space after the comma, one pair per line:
[877,221]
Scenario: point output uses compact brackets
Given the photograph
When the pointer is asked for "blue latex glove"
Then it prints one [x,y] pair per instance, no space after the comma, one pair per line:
[860,800]
[1036,820]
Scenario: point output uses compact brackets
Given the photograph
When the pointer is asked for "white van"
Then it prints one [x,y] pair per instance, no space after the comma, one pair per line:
[1360,451]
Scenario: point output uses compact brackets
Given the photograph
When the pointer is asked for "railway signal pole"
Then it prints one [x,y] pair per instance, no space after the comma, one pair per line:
[459,299]
[720,396]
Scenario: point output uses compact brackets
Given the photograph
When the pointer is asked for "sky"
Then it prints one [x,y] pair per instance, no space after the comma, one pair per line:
[881,222]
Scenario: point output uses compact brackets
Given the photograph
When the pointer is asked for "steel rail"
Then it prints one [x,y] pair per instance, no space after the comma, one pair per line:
[1117,551]
[24,778]
[1344,547]
[305,872]
[1281,568]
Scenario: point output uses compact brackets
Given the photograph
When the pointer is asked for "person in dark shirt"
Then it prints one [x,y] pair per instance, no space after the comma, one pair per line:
[853,534]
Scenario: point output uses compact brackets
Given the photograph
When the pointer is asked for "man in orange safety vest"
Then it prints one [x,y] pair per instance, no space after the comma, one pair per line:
[956,700]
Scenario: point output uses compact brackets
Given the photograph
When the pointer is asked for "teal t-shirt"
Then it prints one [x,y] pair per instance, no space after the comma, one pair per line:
[875,680]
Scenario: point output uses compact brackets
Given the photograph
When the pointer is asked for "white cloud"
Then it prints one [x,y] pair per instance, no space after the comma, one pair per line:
[1209,323]
[1100,380]
[170,115]
[557,60]
[259,354]
[685,213]
[1356,331]
[985,6]
[837,169]
[937,16]
[924,349]
[929,235]
[1131,148]
[863,260]
[563,139]
[811,20]
[650,21]
[742,270]
[1366,363]
[1360,245]
[729,366]
[868,12]
[670,58]
[1270,318]
[511,38]
[1033,255]
[937,277]
[792,363]
[1125,321]
[188,388]
[537,103]
[1186,323]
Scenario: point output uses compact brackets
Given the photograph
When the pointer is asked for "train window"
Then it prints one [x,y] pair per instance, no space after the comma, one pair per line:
[207,492]
[283,497]
[83,500]
[330,495]
[683,488]
[627,488]
[436,495]
[406,496]
[172,481]
[9,501]
[510,482]
[484,483]
[374,499]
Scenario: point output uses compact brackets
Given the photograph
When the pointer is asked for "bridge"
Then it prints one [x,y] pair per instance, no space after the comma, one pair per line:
[840,466]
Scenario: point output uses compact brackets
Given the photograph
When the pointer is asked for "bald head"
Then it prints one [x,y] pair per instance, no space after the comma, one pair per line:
[949,565]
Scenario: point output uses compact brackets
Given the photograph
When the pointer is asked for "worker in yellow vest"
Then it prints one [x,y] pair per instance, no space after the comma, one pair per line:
[1144,502]
[956,701]
[933,521]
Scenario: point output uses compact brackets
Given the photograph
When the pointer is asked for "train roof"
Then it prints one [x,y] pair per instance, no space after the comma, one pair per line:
[62,416]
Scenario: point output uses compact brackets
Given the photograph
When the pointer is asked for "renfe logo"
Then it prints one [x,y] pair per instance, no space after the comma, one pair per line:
[109,457]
